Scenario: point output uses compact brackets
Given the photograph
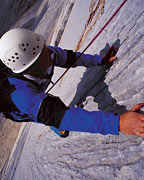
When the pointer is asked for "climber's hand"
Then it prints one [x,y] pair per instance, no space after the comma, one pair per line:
[110,56]
[132,122]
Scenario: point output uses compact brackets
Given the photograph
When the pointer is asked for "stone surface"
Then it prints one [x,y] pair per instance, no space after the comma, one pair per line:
[117,88]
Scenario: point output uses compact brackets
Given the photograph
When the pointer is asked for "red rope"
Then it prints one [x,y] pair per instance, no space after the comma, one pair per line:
[110,19]
[58,80]
[104,26]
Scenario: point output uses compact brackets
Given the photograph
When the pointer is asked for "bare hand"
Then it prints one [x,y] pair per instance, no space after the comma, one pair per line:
[132,122]
[109,57]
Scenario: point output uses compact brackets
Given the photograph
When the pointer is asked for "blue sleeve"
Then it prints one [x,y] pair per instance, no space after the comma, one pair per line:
[77,119]
[86,60]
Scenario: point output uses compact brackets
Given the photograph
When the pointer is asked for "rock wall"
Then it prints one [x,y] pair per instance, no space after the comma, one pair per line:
[116,88]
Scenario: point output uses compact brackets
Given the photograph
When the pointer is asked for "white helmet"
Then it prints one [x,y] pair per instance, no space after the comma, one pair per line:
[20,48]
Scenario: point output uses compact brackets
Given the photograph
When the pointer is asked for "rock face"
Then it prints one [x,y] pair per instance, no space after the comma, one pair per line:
[12,11]
[116,88]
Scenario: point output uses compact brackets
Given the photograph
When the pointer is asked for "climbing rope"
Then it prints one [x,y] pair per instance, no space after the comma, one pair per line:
[99,9]
[110,19]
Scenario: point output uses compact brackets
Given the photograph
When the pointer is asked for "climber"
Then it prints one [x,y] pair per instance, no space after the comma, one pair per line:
[25,52]
[21,101]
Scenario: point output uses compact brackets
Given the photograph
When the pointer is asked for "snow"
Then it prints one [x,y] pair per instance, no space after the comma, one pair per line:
[83,155]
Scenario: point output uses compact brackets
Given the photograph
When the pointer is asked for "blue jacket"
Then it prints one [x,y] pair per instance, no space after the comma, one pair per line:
[28,101]
[26,98]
